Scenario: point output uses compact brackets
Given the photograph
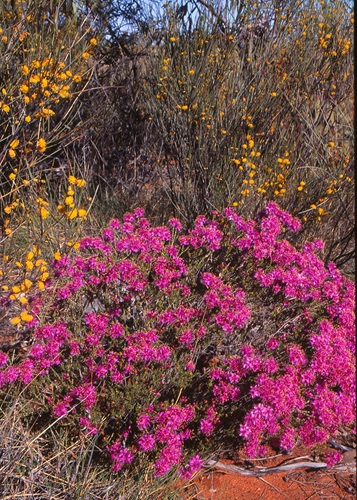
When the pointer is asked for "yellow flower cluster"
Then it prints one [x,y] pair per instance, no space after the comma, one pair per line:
[34,271]
[46,78]
[68,207]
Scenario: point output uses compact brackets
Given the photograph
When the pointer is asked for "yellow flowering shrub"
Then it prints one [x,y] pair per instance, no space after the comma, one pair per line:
[250,116]
[43,74]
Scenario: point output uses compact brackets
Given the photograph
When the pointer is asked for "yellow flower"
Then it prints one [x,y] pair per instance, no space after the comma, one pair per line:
[76,78]
[63,93]
[30,256]
[26,285]
[41,285]
[25,316]
[57,255]
[5,108]
[173,39]
[25,70]
[331,144]
[85,55]
[35,79]
[15,321]
[69,200]
[12,176]
[72,214]
[72,179]
[82,212]
[36,64]
[14,143]
[81,183]
[41,144]
[42,202]
[12,153]
[23,35]
[44,213]
[191,72]
[24,88]
[93,41]
[47,112]
[29,265]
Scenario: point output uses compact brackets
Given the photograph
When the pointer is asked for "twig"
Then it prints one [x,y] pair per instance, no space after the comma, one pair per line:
[339,446]
[266,470]
[276,489]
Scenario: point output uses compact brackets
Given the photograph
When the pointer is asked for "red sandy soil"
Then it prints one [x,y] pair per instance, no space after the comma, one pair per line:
[298,484]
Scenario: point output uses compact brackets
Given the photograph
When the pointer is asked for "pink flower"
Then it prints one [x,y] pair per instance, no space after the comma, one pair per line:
[193,466]
[175,224]
[3,359]
[146,442]
[296,356]
[332,458]
[287,439]
[85,422]
[87,394]
[115,224]
[144,421]
[62,407]
[121,457]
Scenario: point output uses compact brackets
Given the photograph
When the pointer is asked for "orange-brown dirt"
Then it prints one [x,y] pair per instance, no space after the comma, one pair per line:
[298,484]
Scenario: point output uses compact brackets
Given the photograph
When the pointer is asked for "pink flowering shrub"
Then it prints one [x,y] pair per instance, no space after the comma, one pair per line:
[151,336]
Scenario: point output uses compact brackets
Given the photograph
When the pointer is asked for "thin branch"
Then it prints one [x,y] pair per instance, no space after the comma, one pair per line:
[213,11]
[269,470]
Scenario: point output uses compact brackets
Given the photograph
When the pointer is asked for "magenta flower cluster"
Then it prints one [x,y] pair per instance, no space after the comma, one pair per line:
[153,336]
